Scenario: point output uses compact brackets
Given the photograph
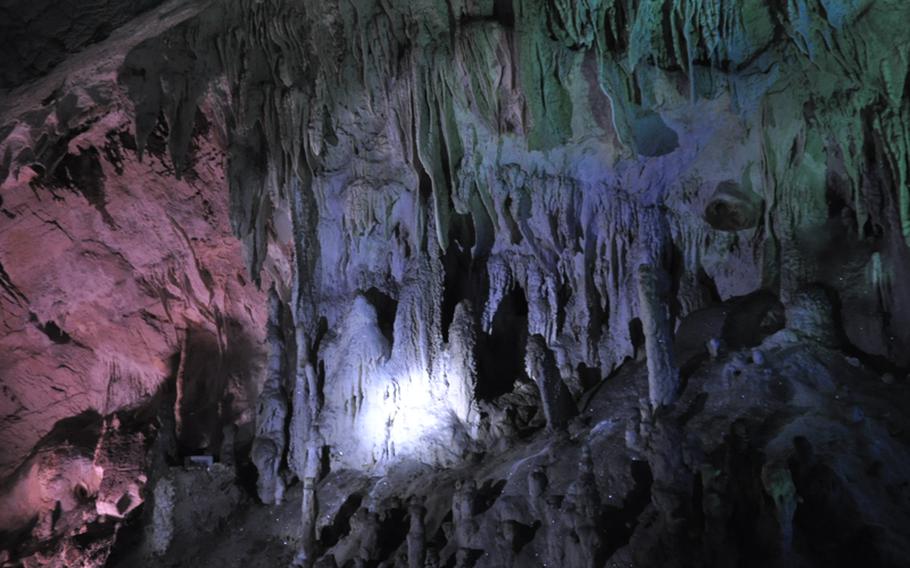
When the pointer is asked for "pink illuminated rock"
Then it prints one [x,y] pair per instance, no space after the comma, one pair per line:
[86,474]
[108,263]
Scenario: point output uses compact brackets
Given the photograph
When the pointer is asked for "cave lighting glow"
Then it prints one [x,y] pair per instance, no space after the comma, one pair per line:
[403,414]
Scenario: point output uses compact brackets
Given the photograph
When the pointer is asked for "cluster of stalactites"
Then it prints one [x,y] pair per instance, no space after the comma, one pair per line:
[315,97]
[286,86]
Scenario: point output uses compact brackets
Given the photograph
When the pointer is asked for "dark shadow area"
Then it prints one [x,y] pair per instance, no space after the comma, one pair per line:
[200,390]
[500,354]
[504,13]
[386,308]
[438,540]
[524,534]
[54,333]
[589,376]
[563,296]
[38,38]
[214,384]
[637,335]
[487,494]
[130,536]
[393,530]
[465,277]
[341,524]
[83,174]
[619,522]
[828,521]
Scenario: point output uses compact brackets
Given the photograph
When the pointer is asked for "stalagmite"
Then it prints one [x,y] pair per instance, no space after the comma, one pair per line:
[309,506]
[228,437]
[461,370]
[778,483]
[416,536]
[464,503]
[270,443]
[663,376]
[305,445]
[555,397]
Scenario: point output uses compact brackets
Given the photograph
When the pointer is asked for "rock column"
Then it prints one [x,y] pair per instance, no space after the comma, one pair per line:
[417,537]
[271,413]
[663,376]
[540,364]
[463,510]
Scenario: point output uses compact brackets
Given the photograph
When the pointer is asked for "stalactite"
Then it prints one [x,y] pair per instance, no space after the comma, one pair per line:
[433,188]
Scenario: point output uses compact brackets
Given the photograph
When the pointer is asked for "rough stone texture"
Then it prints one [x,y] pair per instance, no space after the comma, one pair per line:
[162,526]
[112,268]
[81,479]
[115,274]
[36,36]
[733,208]
[466,152]
[810,315]
[452,200]
[759,468]
[194,502]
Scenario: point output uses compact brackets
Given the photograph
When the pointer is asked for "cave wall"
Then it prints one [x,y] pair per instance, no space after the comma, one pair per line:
[447,201]
[38,36]
[441,152]
[115,271]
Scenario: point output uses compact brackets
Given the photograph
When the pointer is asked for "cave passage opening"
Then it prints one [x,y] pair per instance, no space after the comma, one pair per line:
[501,353]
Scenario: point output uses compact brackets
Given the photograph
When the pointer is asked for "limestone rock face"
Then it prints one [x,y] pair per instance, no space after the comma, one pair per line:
[115,274]
[114,270]
[541,153]
[470,216]
[87,474]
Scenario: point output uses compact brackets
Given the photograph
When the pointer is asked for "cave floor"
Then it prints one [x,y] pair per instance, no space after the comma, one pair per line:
[823,417]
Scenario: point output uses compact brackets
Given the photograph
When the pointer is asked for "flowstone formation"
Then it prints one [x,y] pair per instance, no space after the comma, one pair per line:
[549,283]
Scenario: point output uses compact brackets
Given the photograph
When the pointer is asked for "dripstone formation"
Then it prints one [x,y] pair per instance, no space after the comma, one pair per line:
[456,283]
